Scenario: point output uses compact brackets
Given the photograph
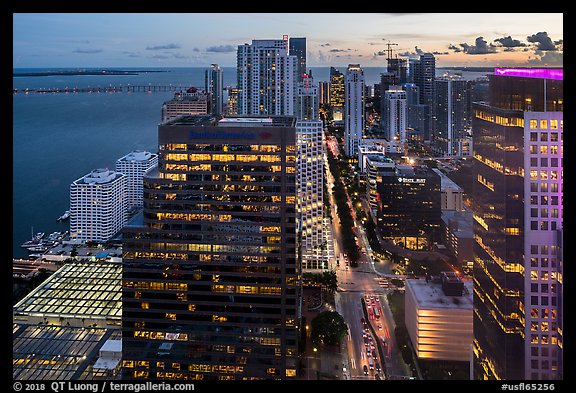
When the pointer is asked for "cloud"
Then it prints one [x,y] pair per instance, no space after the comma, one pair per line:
[163,47]
[221,49]
[196,50]
[543,42]
[380,53]
[412,55]
[547,58]
[180,56]
[326,44]
[508,42]
[454,48]
[160,57]
[481,47]
[89,51]
[340,50]
[440,53]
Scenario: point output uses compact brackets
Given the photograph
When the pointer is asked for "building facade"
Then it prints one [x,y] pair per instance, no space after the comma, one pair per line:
[189,102]
[216,90]
[336,94]
[297,47]
[98,205]
[307,104]
[134,165]
[210,287]
[516,200]
[438,316]
[408,201]
[424,74]
[310,194]
[451,114]
[267,78]
[354,108]
[395,115]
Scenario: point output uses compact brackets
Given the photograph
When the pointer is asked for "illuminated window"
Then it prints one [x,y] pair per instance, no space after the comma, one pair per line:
[533,124]
[544,124]
[145,305]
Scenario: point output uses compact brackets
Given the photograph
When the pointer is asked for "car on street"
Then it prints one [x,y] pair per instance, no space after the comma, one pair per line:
[365,368]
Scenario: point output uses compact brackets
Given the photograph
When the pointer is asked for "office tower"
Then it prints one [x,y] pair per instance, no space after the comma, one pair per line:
[266,78]
[307,99]
[337,95]
[98,205]
[394,115]
[375,165]
[517,210]
[297,47]
[189,102]
[424,73]
[354,108]
[134,165]
[232,109]
[451,114]
[408,209]
[210,272]
[324,93]
[310,194]
[543,226]
[216,90]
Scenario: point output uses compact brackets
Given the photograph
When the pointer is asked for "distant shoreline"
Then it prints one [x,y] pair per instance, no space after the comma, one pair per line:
[84,72]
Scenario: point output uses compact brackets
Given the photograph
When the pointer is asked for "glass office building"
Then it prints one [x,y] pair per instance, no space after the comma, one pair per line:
[210,280]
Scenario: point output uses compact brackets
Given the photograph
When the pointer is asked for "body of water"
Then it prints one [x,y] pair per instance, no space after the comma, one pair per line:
[58,138]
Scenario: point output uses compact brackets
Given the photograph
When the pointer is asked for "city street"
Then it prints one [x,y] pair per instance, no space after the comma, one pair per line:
[353,284]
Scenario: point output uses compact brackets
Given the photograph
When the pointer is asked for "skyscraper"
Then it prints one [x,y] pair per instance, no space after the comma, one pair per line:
[424,73]
[216,90]
[297,47]
[307,99]
[266,78]
[98,205]
[395,115]
[451,114]
[354,108]
[134,165]
[517,210]
[337,95]
[210,274]
[310,193]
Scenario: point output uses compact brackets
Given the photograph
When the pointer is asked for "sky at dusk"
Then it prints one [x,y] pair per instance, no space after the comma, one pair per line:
[200,39]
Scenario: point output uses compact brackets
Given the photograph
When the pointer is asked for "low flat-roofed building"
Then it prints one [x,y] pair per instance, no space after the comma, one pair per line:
[438,316]
[49,352]
[80,294]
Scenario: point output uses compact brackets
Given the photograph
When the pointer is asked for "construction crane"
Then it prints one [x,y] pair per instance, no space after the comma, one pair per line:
[389,50]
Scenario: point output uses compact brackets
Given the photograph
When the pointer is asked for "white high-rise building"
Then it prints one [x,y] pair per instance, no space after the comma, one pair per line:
[98,205]
[395,115]
[354,108]
[543,235]
[134,165]
[310,193]
[267,80]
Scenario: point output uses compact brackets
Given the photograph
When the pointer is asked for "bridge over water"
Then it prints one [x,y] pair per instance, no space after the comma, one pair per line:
[150,88]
